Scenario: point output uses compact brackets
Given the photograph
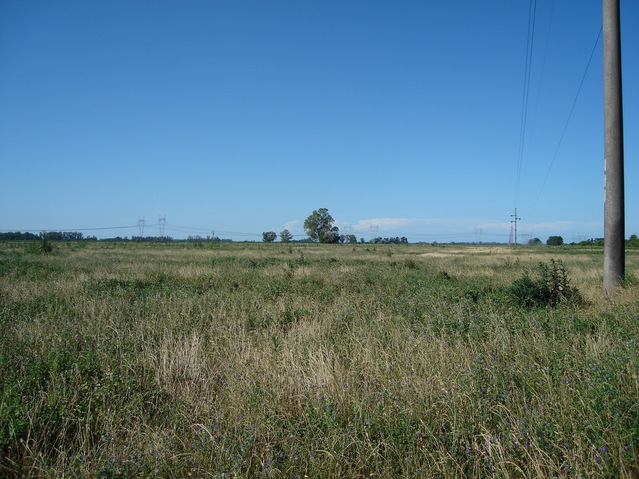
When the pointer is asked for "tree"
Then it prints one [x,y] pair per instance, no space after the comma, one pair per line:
[555,241]
[534,242]
[319,227]
[285,236]
[331,236]
[269,236]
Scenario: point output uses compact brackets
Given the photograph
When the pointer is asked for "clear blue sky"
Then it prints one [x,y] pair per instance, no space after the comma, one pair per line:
[403,118]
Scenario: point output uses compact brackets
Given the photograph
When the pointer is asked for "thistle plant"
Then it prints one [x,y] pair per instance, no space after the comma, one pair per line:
[550,288]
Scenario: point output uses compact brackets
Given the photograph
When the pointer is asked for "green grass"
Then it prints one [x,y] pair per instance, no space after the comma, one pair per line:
[273,360]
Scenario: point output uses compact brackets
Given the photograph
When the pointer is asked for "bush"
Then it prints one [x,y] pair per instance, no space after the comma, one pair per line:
[555,241]
[550,288]
[410,263]
[269,236]
[41,246]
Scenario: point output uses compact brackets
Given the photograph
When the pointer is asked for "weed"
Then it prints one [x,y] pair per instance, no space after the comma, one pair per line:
[630,279]
[41,246]
[550,288]
[410,263]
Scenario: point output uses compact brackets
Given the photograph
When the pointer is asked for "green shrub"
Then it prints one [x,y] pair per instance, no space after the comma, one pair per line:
[41,246]
[549,288]
[410,263]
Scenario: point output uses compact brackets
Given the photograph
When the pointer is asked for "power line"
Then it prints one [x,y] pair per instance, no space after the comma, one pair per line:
[572,109]
[532,9]
[538,94]
[62,230]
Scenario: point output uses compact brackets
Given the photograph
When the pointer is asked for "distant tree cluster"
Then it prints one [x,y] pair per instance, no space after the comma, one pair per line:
[592,242]
[350,239]
[631,242]
[269,236]
[396,240]
[49,236]
[302,240]
[319,227]
[286,236]
[17,236]
[62,236]
[151,239]
[555,241]
[201,239]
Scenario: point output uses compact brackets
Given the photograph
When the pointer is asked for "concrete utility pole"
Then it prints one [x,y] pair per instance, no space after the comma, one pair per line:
[614,253]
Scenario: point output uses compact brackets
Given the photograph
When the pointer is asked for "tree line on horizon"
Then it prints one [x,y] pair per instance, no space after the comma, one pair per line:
[49,236]
[319,227]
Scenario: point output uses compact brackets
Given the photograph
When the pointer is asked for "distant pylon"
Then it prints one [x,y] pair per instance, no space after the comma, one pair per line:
[514,222]
[376,229]
[478,233]
[162,225]
[141,223]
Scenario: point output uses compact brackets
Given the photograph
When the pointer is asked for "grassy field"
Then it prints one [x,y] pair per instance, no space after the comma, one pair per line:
[308,360]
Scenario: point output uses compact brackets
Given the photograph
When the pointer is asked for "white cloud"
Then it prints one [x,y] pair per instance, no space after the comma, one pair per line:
[494,226]
[466,230]
[292,225]
[381,224]
[570,226]
[448,229]
[556,226]
[387,224]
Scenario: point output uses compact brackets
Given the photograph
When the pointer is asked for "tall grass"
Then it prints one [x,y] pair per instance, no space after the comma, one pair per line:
[277,360]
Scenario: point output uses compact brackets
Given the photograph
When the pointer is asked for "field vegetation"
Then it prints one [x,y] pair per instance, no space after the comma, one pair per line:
[316,360]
